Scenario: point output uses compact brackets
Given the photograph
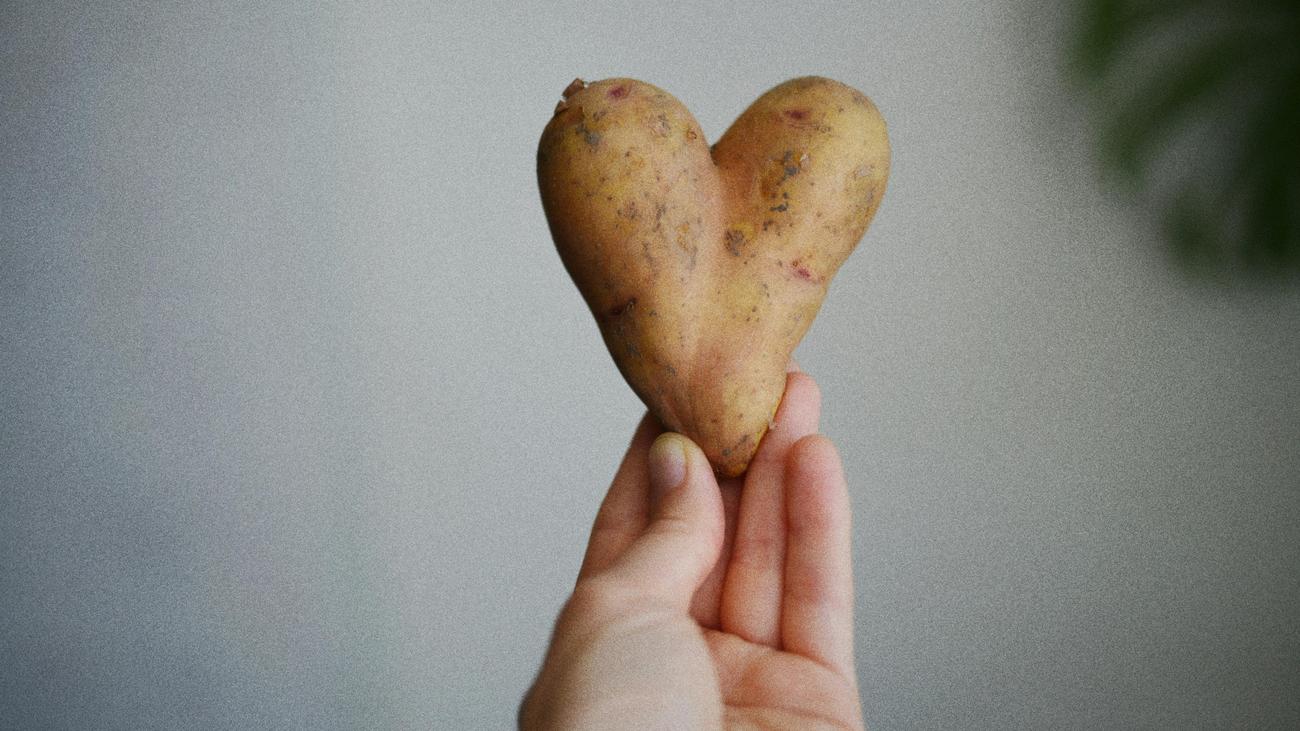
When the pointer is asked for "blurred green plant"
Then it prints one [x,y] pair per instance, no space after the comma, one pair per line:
[1200,109]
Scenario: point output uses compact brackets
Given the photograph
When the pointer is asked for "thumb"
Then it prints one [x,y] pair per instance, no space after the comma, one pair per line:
[679,547]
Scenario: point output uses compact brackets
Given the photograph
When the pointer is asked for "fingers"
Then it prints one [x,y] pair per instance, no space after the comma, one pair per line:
[682,540]
[751,598]
[817,612]
[705,606]
[625,511]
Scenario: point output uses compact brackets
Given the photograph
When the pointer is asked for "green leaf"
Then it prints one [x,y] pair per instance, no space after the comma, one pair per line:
[1176,93]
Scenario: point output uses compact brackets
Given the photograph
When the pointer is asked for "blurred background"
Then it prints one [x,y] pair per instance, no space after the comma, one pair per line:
[302,424]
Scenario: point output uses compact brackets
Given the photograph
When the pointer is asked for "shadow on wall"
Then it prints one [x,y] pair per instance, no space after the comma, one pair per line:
[1200,109]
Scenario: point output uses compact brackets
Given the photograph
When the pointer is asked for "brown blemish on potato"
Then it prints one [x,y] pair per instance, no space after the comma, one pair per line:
[629,345]
[735,239]
[781,208]
[617,92]
[740,444]
[647,252]
[687,244]
[620,315]
[779,171]
[628,211]
[623,309]
[789,168]
[590,136]
[797,115]
[660,125]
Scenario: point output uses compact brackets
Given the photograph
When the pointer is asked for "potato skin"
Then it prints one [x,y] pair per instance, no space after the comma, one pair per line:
[809,160]
[704,268]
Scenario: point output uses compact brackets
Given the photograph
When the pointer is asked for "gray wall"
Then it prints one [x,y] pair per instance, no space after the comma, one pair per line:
[304,424]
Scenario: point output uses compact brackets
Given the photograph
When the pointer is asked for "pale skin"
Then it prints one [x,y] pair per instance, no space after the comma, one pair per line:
[703,604]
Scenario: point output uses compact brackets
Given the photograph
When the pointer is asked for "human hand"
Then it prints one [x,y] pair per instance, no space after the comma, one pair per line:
[702,604]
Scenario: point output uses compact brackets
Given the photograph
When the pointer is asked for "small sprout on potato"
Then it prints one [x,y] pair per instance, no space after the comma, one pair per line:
[574,87]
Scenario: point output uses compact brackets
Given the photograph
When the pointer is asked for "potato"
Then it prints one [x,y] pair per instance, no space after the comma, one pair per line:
[705,267]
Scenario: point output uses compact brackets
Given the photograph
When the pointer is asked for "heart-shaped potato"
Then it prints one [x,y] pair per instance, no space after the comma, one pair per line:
[704,267]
